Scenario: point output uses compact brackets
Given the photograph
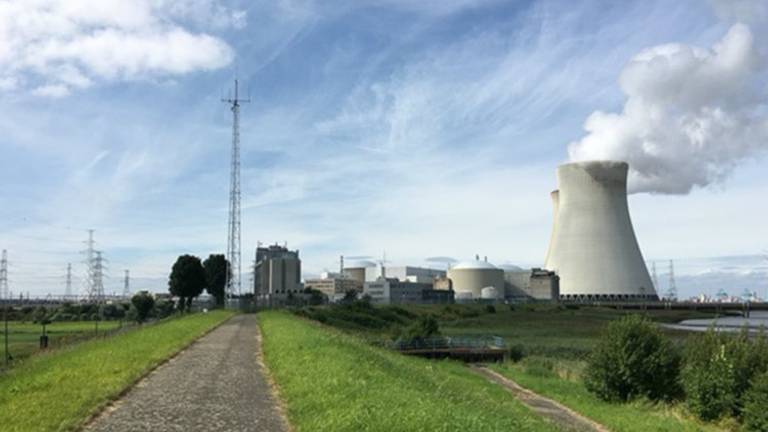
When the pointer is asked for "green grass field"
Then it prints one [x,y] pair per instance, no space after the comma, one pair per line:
[556,341]
[639,416]
[60,389]
[332,381]
[24,337]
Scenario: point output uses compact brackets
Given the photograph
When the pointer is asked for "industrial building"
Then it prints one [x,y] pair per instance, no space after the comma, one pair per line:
[469,278]
[386,290]
[374,271]
[593,248]
[536,284]
[276,273]
[334,286]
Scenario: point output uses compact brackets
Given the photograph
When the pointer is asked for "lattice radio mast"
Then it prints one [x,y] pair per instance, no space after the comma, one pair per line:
[4,294]
[233,237]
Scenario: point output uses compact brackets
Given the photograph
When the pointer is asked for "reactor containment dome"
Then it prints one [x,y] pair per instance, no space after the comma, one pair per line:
[593,248]
[470,277]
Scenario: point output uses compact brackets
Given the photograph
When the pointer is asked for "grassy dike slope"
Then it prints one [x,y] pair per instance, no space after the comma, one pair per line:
[333,381]
[638,416]
[57,391]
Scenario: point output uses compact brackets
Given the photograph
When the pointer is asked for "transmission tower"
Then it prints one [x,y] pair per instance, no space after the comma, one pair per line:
[4,294]
[98,277]
[672,291]
[90,257]
[68,290]
[233,237]
[127,284]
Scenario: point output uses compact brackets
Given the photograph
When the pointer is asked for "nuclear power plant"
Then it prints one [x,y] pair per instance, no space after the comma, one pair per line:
[593,248]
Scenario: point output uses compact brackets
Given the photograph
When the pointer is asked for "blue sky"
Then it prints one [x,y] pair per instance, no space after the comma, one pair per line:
[417,129]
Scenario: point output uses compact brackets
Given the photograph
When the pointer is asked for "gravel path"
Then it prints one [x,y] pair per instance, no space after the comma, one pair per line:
[217,384]
[564,417]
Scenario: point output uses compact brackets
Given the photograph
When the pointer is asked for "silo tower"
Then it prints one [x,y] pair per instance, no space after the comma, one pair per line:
[593,246]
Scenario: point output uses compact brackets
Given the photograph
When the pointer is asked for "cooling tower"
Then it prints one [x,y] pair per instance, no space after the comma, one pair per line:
[593,246]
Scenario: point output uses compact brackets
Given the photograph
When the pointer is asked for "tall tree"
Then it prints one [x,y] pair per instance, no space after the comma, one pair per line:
[216,268]
[187,280]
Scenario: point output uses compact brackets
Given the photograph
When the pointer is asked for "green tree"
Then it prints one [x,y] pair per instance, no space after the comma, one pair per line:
[216,272]
[142,302]
[633,359]
[187,280]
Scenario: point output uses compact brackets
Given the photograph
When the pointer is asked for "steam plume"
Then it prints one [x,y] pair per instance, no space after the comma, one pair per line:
[691,116]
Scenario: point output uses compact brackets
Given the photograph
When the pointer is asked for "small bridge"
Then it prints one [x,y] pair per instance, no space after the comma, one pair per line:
[471,349]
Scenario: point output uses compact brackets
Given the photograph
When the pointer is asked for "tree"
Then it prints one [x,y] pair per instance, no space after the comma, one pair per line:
[187,280]
[142,302]
[216,272]
[633,359]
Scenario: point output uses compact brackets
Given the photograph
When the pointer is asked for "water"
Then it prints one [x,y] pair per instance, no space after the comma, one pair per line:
[756,320]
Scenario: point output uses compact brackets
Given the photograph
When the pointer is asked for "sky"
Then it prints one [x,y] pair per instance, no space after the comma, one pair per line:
[377,127]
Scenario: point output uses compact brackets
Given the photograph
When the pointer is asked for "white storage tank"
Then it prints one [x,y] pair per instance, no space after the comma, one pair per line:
[470,277]
[489,293]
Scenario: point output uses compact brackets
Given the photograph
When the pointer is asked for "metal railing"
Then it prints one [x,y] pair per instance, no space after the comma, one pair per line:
[450,342]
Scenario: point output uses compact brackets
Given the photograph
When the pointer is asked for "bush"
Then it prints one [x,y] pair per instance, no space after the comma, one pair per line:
[633,359]
[755,413]
[490,309]
[143,302]
[516,353]
[719,370]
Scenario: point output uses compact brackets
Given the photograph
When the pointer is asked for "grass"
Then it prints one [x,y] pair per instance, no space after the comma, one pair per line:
[333,381]
[60,389]
[24,337]
[556,341]
[629,417]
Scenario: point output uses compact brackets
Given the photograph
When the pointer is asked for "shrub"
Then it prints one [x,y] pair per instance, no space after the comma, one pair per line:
[633,359]
[490,309]
[708,376]
[719,370]
[516,353]
[142,303]
[755,414]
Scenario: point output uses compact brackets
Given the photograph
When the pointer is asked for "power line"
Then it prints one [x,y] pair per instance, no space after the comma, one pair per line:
[233,235]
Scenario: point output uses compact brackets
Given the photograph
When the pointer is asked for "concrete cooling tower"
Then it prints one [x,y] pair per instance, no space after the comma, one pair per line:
[593,246]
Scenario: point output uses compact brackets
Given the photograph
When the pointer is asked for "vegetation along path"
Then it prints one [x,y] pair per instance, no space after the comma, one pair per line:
[217,384]
[563,416]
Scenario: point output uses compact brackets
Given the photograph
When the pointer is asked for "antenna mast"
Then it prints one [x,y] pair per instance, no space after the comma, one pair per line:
[233,235]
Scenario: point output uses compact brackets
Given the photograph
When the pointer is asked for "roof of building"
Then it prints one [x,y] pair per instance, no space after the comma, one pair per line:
[474,265]
[359,264]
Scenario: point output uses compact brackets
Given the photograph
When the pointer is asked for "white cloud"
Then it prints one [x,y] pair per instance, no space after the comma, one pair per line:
[55,44]
[692,115]
[51,90]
